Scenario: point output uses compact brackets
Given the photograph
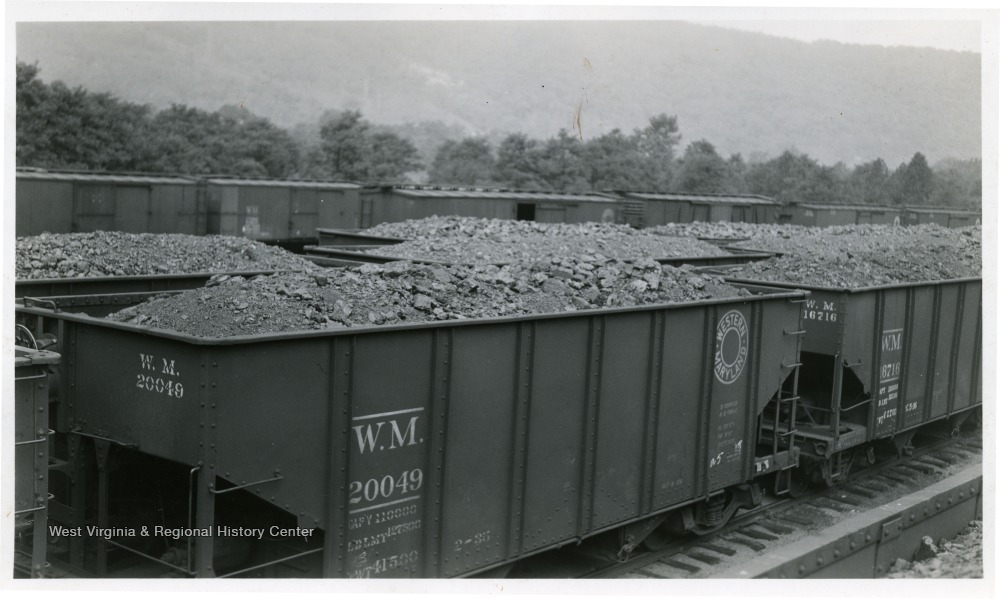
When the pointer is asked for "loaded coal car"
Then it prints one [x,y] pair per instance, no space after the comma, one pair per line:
[880,360]
[432,449]
[649,209]
[393,203]
[468,240]
[32,374]
[112,262]
[84,201]
[285,212]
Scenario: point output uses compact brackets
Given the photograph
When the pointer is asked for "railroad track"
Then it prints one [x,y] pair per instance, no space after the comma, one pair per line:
[812,535]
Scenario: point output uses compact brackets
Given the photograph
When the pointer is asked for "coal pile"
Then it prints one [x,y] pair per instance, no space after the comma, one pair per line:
[735,231]
[871,255]
[869,238]
[495,241]
[402,293]
[112,253]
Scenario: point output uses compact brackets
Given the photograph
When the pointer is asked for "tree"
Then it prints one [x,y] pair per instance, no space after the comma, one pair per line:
[616,163]
[352,149]
[262,146]
[736,174]
[344,141]
[702,170]
[869,182]
[517,163]
[388,157]
[59,127]
[794,177]
[897,184]
[185,140]
[656,144]
[918,181]
[562,164]
[466,162]
[958,183]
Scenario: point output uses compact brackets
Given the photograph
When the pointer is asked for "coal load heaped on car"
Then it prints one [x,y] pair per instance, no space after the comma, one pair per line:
[464,240]
[116,262]
[440,448]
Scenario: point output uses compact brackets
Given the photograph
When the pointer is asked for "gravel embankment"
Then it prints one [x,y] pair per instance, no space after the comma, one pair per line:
[110,253]
[961,557]
[401,292]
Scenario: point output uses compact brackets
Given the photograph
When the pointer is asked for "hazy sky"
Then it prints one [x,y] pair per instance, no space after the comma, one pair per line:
[946,29]
[941,34]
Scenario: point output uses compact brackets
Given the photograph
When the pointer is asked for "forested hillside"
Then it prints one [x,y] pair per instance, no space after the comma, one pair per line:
[747,93]
[63,127]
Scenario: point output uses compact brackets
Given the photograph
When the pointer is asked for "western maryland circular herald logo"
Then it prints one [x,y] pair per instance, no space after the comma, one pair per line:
[731,346]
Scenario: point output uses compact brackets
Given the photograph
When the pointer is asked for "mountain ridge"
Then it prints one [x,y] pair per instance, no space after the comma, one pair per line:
[748,93]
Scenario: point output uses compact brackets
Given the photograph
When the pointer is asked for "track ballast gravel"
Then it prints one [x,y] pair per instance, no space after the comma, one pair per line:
[403,292]
[113,253]
[961,557]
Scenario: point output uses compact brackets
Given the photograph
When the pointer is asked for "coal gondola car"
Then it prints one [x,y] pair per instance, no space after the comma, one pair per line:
[394,203]
[648,209]
[878,363]
[32,373]
[328,255]
[82,202]
[491,440]
[279,211]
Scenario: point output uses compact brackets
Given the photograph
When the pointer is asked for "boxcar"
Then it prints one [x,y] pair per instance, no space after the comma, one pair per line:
[279,211]
[437,449]
[646,209]
[827,215]
[72,202]
[878,215]
[946,217]
[402,202]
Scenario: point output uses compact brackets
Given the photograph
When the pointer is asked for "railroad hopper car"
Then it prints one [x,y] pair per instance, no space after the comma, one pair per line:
[394,203]
[647,209]
[82,202]
[279,211]
[946,217]
[31,457]
[880,362]
[439,449]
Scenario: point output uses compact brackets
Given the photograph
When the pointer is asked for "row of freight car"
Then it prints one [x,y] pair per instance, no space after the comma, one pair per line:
[458,447]
[289,211]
